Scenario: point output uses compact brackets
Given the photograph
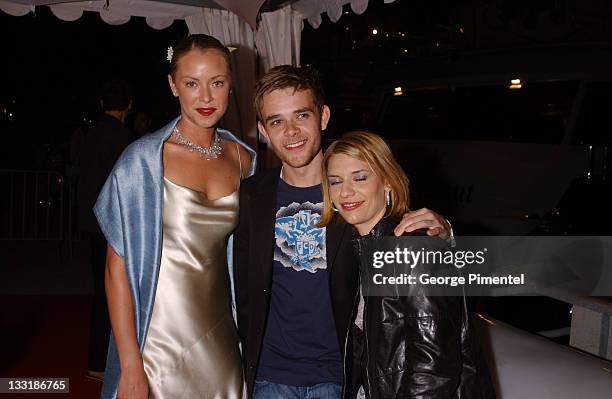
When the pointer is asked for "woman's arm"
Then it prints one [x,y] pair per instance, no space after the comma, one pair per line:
[133,381]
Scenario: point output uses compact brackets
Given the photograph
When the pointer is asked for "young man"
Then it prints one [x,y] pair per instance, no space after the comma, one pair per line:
[295,283]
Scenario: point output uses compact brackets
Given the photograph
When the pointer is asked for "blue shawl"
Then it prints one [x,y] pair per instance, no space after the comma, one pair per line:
[129,212]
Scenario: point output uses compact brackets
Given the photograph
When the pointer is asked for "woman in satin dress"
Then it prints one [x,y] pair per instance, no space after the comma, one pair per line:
[167,210]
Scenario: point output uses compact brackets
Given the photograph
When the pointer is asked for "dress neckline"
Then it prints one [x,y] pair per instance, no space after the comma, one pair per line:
[201,193]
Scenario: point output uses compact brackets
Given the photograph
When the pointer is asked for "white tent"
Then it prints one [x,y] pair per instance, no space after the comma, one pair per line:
[161,13]
[274,34]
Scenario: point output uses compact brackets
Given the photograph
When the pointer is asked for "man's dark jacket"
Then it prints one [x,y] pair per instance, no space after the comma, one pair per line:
[253,261]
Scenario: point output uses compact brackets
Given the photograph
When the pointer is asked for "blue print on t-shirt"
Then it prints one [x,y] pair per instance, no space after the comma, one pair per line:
[299,244]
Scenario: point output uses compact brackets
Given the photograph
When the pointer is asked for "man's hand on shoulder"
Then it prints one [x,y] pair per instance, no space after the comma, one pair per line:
[424,218]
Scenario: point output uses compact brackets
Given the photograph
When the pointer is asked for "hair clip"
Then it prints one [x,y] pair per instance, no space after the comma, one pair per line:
[231,49]
[170,54]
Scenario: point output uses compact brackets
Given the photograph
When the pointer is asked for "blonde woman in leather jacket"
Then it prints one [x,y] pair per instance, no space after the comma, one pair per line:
[403,346]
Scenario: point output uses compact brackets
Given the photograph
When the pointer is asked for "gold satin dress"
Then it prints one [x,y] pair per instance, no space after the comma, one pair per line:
[191,349]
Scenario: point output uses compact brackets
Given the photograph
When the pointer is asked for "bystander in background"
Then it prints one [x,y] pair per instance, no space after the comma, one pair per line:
[100,148]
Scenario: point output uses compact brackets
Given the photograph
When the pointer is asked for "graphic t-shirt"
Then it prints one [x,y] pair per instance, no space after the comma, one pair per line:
[300,345]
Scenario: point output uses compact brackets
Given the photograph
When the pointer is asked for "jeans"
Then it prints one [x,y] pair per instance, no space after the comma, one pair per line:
[272,390]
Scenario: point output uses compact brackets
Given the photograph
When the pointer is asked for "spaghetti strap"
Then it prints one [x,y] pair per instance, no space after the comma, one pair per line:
[239,161]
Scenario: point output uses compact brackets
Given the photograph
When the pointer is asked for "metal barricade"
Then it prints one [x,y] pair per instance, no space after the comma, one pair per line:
[33,206]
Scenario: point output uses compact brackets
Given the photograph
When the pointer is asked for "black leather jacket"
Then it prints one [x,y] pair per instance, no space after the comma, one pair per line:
[415,346]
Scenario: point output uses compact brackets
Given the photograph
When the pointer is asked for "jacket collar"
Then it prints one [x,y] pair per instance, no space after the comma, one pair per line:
[333,238]
[384,227]
[268,183]
[264,201]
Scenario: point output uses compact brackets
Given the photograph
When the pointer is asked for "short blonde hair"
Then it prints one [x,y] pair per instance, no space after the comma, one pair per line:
[372,149]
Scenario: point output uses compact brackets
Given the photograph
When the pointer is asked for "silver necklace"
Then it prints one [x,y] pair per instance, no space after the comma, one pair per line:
[204,152]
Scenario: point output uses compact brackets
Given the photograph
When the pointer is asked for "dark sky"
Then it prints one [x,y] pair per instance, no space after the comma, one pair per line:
[52,72]
[71,59]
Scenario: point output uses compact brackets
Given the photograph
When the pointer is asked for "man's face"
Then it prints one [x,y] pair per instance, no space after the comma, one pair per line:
[292,125]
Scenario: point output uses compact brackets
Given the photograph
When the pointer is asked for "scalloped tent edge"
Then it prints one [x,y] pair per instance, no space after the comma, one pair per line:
[160,14]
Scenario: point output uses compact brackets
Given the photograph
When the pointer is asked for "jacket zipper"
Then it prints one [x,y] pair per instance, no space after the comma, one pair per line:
[365,334]
[367,345]
[348,331]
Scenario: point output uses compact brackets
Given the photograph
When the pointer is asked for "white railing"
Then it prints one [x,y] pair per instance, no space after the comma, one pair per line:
[524,365]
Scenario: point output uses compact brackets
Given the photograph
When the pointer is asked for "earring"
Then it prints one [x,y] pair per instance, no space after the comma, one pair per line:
[334,207]
[388,197]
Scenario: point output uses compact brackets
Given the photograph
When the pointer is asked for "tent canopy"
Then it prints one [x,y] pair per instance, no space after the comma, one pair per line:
[160,14]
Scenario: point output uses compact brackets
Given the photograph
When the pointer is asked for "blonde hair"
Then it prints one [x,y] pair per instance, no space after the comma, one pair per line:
[200,42]
[372,149]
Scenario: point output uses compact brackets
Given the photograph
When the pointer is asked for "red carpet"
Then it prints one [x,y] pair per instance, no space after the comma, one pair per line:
[46,336]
